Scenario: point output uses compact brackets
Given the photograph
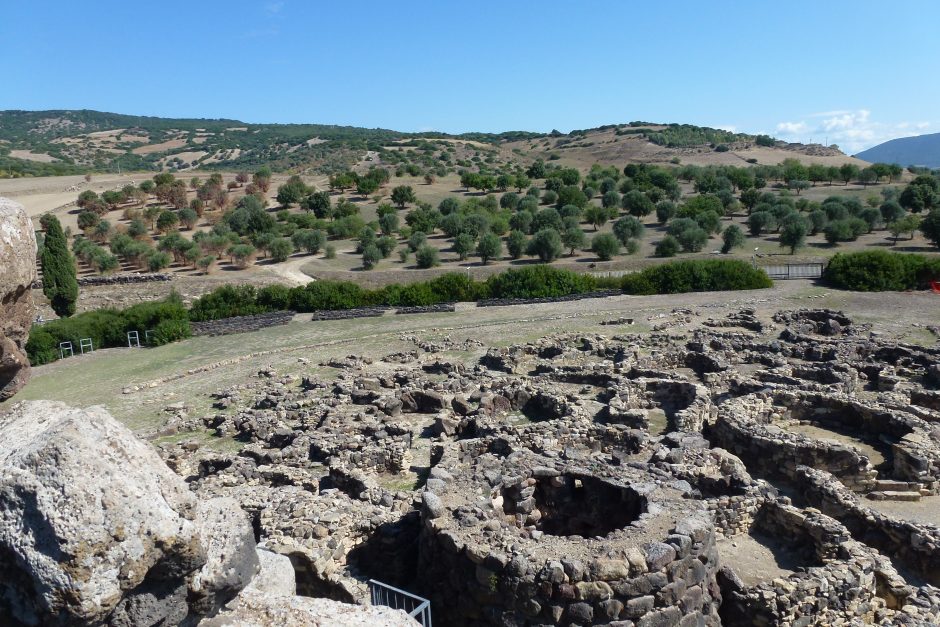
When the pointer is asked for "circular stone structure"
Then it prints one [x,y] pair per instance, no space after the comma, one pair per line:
[757,427]
[528,539]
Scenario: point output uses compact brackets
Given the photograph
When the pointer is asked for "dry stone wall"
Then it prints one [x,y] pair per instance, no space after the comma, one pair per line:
[241,324]
[116,279]
[349,314]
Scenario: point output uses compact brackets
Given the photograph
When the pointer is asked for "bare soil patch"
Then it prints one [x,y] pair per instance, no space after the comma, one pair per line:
[32,156]
[757,558]
[161,147]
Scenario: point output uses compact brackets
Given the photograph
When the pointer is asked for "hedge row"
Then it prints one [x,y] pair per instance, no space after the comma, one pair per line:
[107,328]
[531,282]
[170,320]
[700,275]
[881,271]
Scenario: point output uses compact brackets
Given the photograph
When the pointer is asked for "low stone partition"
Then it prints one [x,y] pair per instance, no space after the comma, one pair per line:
[241,324]
[735,514]
[528,539]
[748,426]
[687,405]
[575,438]
[851,583]
[349,314]
[743,428]
[115,279]
[381,450]
[916,545]
[503,302]
[926,398]
[439,308]
[915,451]
[818,321]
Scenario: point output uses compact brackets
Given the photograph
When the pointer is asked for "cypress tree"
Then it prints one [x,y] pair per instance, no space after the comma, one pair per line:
[58,269]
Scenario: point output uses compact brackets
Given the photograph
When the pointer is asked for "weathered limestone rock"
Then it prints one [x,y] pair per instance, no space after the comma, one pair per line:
[96,529]
[17,273]
[231,559]
[275,577]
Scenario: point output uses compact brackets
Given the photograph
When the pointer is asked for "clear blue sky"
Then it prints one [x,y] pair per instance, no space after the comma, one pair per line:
[857,73]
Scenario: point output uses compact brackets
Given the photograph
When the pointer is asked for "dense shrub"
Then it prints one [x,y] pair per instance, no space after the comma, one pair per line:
[274,297]
[109,327]
[667,247]
[168,331]
[879,271]
[225,302]
[448,288]
[538,282]
[318,295]
[144,316]
[701,275]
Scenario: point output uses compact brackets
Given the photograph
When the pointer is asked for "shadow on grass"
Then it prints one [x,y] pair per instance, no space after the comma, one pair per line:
[526,262]
[902,248]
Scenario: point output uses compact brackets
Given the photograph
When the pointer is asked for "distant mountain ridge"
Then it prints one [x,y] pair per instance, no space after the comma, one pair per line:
[922,150]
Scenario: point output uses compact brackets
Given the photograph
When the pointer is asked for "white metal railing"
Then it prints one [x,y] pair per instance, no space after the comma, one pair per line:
[389,596]
[794,271]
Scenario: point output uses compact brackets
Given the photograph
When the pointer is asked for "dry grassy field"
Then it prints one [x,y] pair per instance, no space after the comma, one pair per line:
[193,369]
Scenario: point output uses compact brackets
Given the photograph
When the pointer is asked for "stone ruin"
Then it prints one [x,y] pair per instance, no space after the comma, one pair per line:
[583,479]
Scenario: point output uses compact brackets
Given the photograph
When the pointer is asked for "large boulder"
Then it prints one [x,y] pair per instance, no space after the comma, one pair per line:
[17,273]
[96,529]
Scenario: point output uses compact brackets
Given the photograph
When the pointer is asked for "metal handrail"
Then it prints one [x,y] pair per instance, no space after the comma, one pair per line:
[390,596]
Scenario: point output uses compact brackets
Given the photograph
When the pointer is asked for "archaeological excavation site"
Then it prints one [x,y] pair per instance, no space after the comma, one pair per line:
[753,469]
[718,464]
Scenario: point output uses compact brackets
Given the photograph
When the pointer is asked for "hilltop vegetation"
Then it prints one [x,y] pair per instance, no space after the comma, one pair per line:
[39,143]
[90,140]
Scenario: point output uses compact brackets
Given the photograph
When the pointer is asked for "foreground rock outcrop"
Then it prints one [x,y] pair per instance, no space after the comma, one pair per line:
[94,528]
[17,273]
